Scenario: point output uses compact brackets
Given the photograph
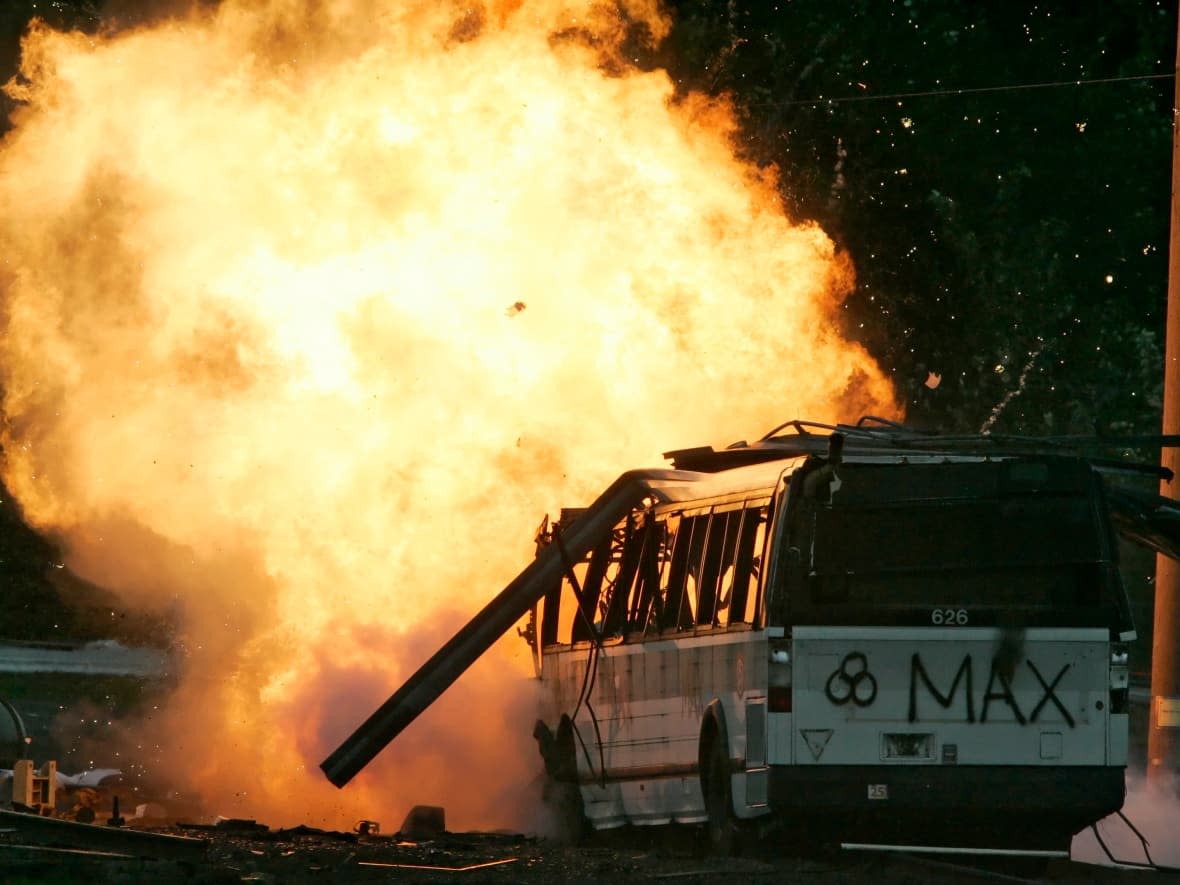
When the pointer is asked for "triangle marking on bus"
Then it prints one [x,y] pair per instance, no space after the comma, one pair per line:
[817,739]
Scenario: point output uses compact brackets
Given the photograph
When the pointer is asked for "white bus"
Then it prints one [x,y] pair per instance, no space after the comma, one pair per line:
[908,646]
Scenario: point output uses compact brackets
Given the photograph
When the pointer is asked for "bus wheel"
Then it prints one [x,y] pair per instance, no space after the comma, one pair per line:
[719,801]
[561,794]
[563,801]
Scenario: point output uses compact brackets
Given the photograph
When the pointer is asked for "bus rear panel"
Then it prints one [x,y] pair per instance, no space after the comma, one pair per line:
[954,632]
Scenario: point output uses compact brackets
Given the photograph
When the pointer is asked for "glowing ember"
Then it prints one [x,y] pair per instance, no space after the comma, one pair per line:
[313,310]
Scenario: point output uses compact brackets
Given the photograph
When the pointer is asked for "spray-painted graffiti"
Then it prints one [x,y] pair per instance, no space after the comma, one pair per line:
[998,690]
[852,681]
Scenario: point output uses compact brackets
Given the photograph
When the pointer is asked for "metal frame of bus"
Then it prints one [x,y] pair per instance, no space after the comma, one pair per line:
[650,749]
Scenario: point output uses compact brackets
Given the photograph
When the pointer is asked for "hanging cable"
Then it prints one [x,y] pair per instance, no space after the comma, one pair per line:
[973,90]
[1142,838]
[1150,865]
[590,674]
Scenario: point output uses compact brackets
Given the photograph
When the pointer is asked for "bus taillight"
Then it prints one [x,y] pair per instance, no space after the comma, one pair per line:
[1119,679]
[778,694]
[778,700]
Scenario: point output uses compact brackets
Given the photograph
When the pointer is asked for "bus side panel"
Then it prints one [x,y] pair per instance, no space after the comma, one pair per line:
[781,739]
[1119,740]
[642,726]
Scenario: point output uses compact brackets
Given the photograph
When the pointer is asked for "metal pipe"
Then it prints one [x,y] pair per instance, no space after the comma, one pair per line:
[477,636]
[1163,735]
[954,849]
[37,829]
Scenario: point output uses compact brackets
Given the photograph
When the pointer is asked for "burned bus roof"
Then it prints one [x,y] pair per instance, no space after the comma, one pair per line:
[697,484]
[1141,517]
[873,436]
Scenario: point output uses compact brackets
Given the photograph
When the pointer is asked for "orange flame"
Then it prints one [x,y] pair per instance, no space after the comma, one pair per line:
[313,310]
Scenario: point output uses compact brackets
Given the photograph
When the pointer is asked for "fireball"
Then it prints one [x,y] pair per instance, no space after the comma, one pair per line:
[310,313]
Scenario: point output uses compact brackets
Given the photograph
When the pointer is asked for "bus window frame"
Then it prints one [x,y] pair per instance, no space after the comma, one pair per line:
[632,604]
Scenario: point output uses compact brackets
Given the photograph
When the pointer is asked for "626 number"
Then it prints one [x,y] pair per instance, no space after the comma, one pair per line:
[949,616]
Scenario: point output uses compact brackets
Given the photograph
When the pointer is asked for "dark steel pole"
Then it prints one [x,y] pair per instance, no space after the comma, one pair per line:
[1163,736]
[477,636]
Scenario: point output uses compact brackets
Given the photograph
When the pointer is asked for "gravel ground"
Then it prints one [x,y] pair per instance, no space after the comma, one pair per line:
[246,852]
[239,852]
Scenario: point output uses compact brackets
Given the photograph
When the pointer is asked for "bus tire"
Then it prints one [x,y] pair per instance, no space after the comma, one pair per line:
[715,783]
[563,801]
[561,794]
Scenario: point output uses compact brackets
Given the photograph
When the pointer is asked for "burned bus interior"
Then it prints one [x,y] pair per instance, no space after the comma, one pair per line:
[688,570]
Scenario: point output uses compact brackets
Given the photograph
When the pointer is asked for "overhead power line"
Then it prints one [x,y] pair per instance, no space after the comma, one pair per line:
[1013,87]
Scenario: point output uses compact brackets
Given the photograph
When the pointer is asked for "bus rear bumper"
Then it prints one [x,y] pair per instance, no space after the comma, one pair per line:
[1027,806]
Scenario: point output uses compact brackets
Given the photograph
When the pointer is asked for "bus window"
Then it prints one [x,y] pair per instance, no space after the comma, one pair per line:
[898,543]
[561,613]
[621,579]
[744,606]
[591,582]
[646,605]
[717,568]
[575,605]
[683,572]
[549,613]
[724,596]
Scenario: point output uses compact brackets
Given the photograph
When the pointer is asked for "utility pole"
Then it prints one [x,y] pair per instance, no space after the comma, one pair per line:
[1163,737]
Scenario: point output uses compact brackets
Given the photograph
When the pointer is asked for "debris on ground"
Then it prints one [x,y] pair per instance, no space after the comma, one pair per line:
[424,822]
[35,848]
